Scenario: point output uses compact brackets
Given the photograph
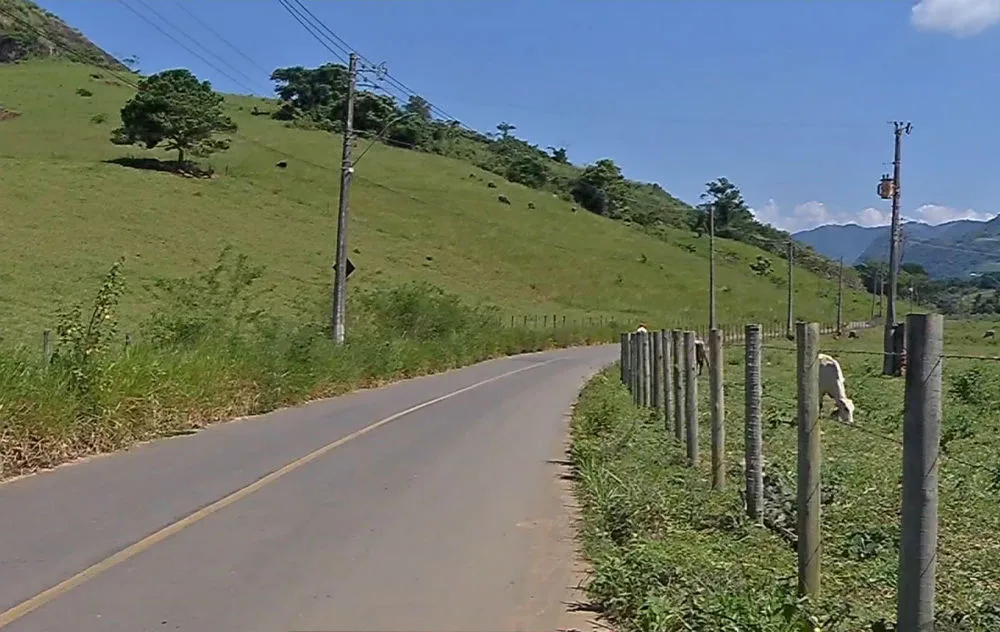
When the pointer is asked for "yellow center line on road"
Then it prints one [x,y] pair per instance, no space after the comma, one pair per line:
[42,598]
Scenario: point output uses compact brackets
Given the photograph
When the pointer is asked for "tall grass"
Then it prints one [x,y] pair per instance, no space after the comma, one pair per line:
[208,354]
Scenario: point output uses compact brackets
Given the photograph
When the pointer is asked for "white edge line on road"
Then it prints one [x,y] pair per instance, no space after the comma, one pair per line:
[42,598]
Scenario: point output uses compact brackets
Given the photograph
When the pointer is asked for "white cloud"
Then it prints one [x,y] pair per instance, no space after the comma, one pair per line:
[812,214]
[961,18]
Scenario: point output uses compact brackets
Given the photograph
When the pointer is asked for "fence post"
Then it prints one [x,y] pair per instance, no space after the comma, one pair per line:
[636,368]
[679,380]
[921,437]
[691,397]
[657,369]
[753,460]
[624,358]
[716,391]
[47,347]
[647,365]
[668,382]
[808,487]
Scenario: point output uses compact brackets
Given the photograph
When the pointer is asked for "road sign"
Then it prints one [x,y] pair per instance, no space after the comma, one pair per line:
[350,268]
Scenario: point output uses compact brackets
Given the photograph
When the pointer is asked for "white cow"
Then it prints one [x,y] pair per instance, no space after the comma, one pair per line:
[641,329]
[831,382]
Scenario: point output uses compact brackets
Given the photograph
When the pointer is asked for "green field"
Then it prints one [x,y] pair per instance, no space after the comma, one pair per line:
[67,215]
[670,554]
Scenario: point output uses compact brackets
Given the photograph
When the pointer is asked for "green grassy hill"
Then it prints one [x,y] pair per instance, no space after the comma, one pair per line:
[67,214]
[27,31]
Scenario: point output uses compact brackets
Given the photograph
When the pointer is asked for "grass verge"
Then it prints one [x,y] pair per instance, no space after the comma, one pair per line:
[668,553]
[207,354]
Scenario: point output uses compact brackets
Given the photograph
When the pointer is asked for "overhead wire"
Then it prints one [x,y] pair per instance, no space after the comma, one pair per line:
[181,44]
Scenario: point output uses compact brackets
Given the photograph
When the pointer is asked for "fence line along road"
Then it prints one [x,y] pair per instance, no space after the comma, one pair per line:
[674,359]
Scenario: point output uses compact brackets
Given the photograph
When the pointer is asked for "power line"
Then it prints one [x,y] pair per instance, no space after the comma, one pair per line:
[181,6]
[181,44]
[339,42]
[310,29]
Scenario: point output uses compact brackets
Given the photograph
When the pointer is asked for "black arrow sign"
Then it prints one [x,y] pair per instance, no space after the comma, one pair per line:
[350,268]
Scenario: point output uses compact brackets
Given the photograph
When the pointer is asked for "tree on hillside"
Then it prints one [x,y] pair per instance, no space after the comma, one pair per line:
[176,110]
[559,155]
[316,92]
[419,108]
[505,129]
[731,211]
[601,189]
[529,171]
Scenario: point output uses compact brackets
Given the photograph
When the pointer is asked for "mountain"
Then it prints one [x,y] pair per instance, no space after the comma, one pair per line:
[952,249]
[933,247]
[836,240]
[27,31]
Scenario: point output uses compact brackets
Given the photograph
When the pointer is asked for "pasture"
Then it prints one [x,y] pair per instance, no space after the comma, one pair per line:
[670,554]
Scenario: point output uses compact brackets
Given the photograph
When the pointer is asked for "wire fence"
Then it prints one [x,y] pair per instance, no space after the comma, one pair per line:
[870,507]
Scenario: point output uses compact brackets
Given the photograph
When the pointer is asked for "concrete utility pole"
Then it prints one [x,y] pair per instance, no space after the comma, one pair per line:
[711,267]
[888,362]
[840,298]
[790,325]
[346,171]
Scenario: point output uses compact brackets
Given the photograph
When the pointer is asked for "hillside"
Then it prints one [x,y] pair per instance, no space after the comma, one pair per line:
[27,32]
[414,216]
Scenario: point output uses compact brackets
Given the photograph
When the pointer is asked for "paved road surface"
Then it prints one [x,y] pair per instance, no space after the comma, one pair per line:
[451,516]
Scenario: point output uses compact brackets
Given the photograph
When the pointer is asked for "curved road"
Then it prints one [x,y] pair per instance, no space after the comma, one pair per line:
[431,504]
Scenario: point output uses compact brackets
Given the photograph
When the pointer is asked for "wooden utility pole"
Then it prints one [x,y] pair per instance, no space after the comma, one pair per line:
[888,360]
[840,298]
[346,171]
[711,267]
[790,324]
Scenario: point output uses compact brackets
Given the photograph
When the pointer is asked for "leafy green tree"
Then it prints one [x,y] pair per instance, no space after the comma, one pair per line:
[602,189]
[419,107]
[174,108]
[316,92]
[731,211]
[529,171]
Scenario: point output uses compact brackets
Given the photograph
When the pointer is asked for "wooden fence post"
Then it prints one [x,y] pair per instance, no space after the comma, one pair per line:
[647,364]
[753,459]
[691,397]
[657,370]
[809,458]
[668,382]
[679,381]
[624,358]
[717,395]
[47,347]
[921,438]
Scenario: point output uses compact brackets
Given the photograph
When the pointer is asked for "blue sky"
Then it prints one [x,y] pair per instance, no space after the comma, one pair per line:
[790,100]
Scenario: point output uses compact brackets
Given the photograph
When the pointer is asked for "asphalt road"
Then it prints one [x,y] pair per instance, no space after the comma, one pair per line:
[450,516]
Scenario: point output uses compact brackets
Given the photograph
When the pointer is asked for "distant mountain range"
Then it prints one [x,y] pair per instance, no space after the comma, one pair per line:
[952,249]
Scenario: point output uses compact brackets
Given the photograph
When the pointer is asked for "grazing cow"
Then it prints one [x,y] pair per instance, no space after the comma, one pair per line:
[531,205]
[282,164]
[504,199]
[831,382]
[491,185]
[700,354]
[989,333]
[641,329]
[852,334]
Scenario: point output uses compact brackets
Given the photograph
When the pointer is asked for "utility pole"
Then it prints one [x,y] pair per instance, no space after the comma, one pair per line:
[711,267]
[840,298]
[790,325]
[346,171]
[888,361]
